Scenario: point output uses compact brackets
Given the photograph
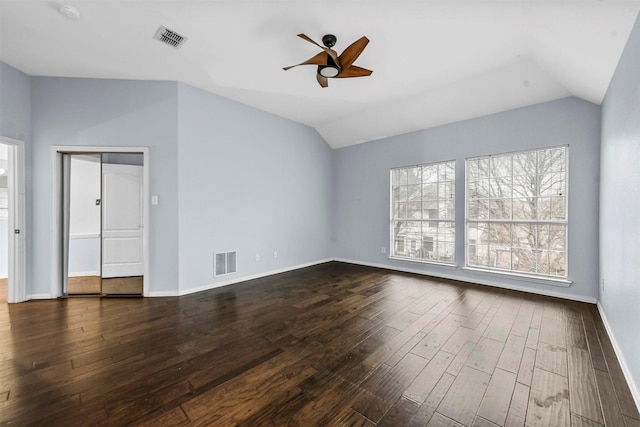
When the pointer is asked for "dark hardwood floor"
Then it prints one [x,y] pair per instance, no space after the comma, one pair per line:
[330,345]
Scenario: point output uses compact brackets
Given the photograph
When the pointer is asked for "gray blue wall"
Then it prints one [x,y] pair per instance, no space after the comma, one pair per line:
[249,182]
[620,205]
[15,123]
[93,112]
[15,103]
[361,190]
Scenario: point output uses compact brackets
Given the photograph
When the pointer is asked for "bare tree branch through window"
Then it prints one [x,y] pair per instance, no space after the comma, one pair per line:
[517,212]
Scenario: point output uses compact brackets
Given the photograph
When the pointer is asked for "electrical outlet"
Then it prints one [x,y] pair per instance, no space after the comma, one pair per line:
[275,254]
[257,257]
[383,250]
[602,285]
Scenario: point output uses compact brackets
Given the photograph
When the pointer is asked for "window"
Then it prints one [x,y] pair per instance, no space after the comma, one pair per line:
[517,212]
[423,212]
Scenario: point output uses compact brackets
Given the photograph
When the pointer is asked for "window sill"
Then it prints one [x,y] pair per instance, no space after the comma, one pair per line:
[565,283]
[423,261]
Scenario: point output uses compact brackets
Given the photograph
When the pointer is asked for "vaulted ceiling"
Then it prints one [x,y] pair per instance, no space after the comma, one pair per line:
[434,61]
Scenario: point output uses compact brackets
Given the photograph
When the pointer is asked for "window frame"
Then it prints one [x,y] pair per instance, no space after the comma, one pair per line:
[452,221]
[541,277]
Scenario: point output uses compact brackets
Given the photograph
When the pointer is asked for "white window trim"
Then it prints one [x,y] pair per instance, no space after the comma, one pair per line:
[450,265]
[546,280]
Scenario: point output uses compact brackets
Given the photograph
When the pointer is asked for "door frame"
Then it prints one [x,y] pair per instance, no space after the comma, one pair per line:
[56,207]
[16,284]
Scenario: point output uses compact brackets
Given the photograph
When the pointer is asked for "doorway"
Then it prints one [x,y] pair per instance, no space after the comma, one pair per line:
[100,212]
[12,219]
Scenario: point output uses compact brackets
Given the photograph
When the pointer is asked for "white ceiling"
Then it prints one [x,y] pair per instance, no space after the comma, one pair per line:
[433,61]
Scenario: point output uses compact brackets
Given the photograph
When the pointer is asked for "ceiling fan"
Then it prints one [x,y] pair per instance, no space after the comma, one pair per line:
[330,65]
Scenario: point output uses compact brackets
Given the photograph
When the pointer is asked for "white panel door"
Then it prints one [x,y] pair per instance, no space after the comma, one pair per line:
[121,220]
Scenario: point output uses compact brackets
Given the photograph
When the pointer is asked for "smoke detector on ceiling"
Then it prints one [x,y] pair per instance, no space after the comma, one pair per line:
[169,37]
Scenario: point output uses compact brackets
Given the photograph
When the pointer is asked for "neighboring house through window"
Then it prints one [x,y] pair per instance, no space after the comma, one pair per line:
[423,212]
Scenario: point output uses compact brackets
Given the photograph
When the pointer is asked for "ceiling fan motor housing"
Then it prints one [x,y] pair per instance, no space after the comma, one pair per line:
[329,40]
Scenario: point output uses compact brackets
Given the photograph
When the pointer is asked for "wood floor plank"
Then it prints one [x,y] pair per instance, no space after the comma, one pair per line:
[523,320]
[582,386]
[406,348]
[461,358]
[481,422]
[439,420]
[426,380]
[174,417]
[578,421]
[512,354]
[382,389]
[631,422]
[409,331]
[350,418]
[552,358]
[623,394]
[331,394]
[501,324]
[593,342]
[575,333]
[532,338]
[435,339]
[278,410]
[464,396]
[497,398]
[485,355]
[525,372]
[428,408]
[548,400]
[400,413]
[610,406]
[461,336]
[517,414]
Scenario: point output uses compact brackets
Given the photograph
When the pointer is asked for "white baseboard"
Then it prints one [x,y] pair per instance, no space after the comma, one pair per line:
[474,280]
[84,273]
[162,294]
[635,392]
[39,296]
[246,278]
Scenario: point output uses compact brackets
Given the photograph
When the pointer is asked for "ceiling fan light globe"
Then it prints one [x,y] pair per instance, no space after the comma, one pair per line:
[329,71]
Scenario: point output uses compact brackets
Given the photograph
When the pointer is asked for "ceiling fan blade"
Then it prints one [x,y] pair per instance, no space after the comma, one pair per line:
[322,80]
[331,52]
[319,59]
[352,52]
[354,71]
[310,40]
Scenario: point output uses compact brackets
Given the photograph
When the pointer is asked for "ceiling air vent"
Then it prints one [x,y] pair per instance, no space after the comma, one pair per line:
[169,37]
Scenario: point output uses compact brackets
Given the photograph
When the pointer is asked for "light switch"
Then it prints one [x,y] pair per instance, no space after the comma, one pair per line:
[154,200]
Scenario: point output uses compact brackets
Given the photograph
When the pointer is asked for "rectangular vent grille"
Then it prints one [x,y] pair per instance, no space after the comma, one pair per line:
[224,263]
[169,37]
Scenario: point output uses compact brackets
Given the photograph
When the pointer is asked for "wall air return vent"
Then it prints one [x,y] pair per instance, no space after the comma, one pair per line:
[169,37]
[224,263]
